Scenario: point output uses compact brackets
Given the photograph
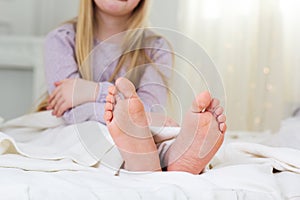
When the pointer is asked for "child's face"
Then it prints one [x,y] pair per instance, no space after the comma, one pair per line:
[116,7]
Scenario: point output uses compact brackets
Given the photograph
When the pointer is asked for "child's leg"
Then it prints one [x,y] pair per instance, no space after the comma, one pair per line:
[200,137]
[127,123]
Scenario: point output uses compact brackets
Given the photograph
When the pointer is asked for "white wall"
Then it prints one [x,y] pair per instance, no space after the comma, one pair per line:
[34,17]
[20,70]
[16,17]
[18,100]
[164,13]
[38,17]
[54,12]
[21,50]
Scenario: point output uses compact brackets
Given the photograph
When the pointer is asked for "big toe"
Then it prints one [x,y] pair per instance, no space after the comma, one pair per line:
[201,102]
[125,87]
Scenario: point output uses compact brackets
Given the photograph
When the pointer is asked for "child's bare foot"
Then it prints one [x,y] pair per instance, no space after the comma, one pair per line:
[127,123]
[201,136]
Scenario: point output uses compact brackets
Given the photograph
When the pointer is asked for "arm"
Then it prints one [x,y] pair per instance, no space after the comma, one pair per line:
[60,64]
[70,93]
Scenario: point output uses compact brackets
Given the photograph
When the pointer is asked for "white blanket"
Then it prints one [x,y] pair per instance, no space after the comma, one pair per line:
[42,159]
[280,158]
[40,136]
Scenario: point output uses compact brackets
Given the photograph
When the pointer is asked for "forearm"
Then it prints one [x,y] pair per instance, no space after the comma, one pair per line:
[82,91]
[70,93]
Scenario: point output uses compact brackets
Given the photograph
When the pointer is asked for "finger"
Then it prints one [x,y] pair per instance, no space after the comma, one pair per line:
[51,105]
[56,109]
[61,110]
[58,83]
[53,113]
[54,101]
[58,104]
[53,94]
[54,104]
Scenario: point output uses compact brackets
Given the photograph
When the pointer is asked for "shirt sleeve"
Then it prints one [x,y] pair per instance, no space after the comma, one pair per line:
[60,63]
[93,111]
[153,86]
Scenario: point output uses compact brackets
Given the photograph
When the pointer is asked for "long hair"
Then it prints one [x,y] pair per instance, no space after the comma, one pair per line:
[86,25]
[85,30]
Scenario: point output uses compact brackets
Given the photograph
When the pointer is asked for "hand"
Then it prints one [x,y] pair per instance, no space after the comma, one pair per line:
[159,119]
[70,93]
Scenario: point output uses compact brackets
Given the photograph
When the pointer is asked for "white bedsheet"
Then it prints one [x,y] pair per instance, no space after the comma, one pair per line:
[226,183]
[240,170]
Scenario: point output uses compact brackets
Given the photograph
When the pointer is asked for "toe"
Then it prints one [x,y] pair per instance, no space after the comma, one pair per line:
[110,99]
[108,116]
[213,105]
[112,90]
[108,107]
[221,118]
[201,102]
[218,111]
[125,87]
[222,127]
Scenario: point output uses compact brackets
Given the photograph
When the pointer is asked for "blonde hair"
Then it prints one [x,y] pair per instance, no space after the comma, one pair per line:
[85,36]
[86,24]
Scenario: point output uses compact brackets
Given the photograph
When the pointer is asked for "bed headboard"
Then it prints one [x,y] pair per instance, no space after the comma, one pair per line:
[22,76]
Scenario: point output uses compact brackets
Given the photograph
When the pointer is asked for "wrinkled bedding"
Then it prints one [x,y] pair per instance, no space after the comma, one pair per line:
[38,163]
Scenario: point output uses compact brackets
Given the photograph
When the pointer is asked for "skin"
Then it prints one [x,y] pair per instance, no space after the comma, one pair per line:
[206,114]
[132,135]
[112,17]
[70,93]
[200,137]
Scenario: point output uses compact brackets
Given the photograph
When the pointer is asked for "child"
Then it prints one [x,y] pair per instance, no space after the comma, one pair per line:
[67,48]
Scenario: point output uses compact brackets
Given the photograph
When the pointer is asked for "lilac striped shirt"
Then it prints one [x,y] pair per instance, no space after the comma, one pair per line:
[60,63]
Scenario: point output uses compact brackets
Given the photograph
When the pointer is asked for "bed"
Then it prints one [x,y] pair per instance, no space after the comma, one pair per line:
[250,165]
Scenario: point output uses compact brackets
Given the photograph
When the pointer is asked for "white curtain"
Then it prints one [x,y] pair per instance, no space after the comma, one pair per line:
[255,46]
